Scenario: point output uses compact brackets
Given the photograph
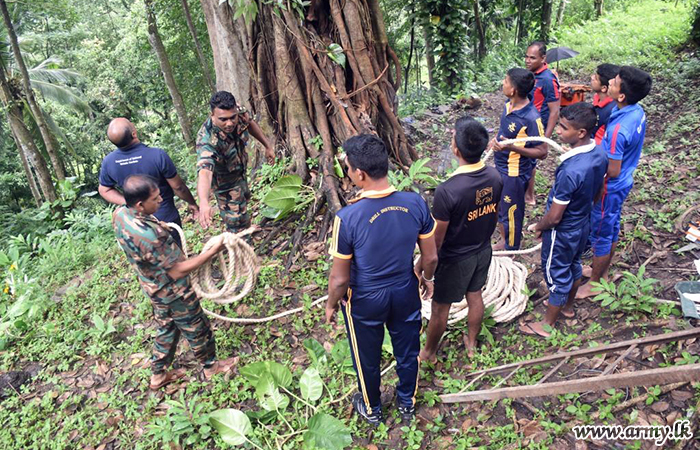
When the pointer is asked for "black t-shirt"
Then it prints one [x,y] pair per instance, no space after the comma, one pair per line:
[468,200]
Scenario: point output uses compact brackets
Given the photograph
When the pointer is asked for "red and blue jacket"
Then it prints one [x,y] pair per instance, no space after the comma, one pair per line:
[546,90]
[602,109]
[623,141]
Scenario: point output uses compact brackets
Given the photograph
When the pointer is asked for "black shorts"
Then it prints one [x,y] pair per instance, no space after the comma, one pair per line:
[454,279]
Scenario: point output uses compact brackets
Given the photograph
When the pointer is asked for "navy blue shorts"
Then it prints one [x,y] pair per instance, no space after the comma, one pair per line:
[605,221]
[511,209]
[561,261]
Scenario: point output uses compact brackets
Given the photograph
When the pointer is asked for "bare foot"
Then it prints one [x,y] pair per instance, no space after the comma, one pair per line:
[587,271]
[427,357]
[585,291]
[534,329]
[469,346]
[500,245]
[221,366]
[566,312]
[530,200]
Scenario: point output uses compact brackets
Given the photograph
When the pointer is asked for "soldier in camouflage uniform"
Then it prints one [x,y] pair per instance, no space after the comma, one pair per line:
[163,273]
[222,161]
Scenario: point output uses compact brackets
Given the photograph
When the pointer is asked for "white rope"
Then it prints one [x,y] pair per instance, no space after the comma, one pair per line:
[239,269]
[547,141]
[506,279]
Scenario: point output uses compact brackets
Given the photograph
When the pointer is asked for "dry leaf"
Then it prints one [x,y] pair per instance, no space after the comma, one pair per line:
[660,407]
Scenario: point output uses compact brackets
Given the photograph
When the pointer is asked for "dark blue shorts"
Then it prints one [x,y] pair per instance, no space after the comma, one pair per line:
[605,221]
[561,261]
[511,209]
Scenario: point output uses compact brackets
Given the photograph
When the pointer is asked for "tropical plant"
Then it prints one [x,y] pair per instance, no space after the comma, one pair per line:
[286,196]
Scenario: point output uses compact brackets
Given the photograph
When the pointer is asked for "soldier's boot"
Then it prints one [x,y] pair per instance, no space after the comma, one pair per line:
[162,379]
[221,366]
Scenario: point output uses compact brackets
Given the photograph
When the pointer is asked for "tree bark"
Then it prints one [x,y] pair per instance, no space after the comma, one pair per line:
[598,7]
[410,51]
[46,134]
[286,72]
[167,70]
[695,29]
[11,101]
[198,47]
[229,44]
[521,33]
[480,31]
[36,194]
[560,13]
[546,20]
[429,55]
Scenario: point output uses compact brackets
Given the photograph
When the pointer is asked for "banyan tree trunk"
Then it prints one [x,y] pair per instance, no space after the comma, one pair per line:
[302,93]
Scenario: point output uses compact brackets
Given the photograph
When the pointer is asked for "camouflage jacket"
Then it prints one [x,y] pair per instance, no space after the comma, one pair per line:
[224,153]
[152,251]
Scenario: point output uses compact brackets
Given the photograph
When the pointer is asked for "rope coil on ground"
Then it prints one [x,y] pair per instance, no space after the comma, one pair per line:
[506,278]
[238,265]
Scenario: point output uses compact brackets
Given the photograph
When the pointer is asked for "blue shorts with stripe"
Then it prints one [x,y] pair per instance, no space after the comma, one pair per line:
[605,221]
[561,261]
[511,209]
[366,313]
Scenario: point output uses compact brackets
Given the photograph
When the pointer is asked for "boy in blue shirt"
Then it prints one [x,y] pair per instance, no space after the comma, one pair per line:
[622,142]
[372,275]
[514,161]
[602,102]
[564,227]
[546,97]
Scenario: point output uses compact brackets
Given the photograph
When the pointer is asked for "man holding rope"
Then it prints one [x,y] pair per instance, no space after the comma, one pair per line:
[222,161]
[520,119]
[372,277]
[564,227]
[163,273]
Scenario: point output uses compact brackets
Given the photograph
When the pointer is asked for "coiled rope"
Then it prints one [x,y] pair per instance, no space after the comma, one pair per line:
[238,264]
[506,278]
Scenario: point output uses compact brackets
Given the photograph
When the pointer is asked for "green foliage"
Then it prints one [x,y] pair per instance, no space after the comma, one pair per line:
[486,324]
[632,295]
[627,37]
[185,423]
[286,196]
[419,176]
[447,24]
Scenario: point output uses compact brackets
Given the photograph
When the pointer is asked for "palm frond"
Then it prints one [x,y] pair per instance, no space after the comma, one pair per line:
[62,94]
[54,76]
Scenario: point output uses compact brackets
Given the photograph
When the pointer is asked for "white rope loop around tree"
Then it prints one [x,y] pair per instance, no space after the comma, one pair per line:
[507,277]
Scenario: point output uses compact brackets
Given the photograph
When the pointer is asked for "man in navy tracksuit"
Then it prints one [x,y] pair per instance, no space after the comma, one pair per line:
[564,227]
[372,277]
[623,141]
[514,161]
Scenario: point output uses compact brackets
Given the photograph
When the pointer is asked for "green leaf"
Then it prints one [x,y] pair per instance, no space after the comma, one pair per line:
[289,181]
[265,386]
[275,401]
[311,385]
[317,353]
[282,197]
[252,372]
[434,20]
[338,168]
[326,432]
[335,52]
[232,425]
[571,409]
[281,374]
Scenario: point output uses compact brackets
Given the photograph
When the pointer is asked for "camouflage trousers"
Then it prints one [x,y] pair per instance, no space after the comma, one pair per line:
[233,206]
[183,316]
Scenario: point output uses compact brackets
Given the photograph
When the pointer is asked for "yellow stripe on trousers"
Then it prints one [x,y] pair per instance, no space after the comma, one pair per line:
[511,225]
[353,342]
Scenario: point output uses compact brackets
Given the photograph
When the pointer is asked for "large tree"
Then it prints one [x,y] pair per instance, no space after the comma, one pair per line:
[311,76]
